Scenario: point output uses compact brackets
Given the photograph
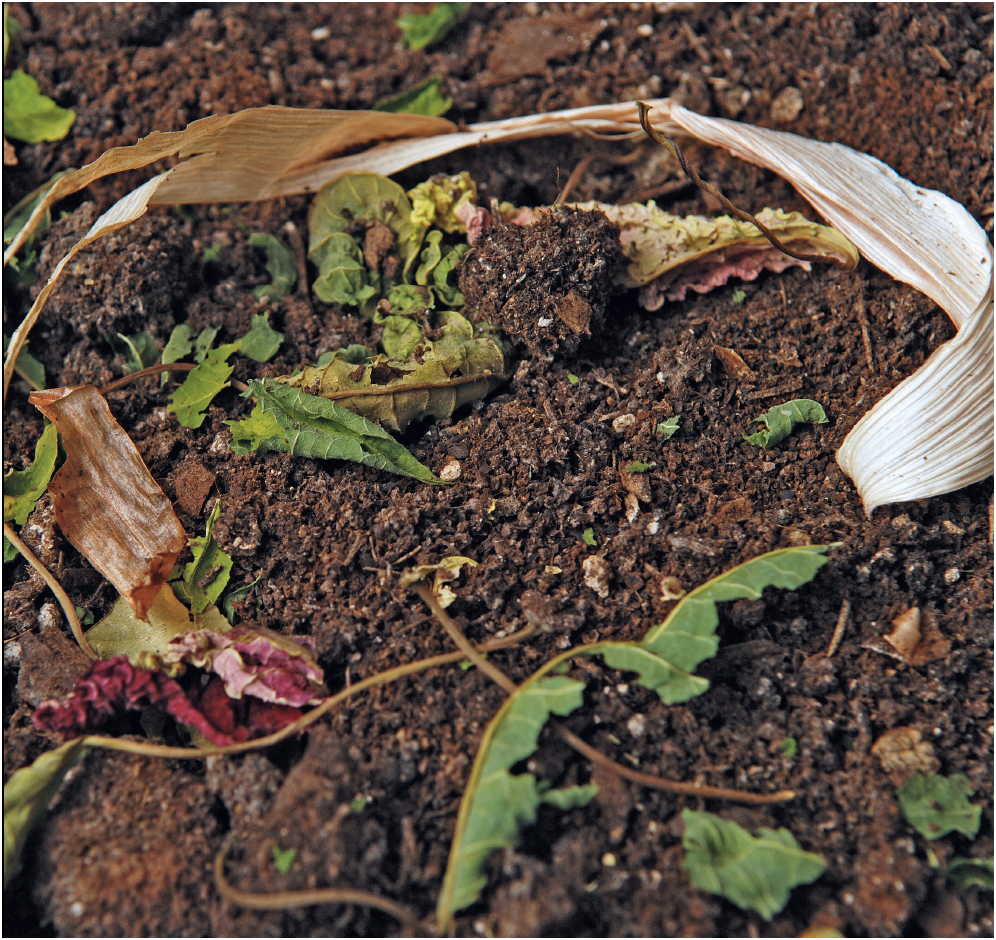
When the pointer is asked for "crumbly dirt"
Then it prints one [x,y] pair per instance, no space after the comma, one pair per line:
[129,843]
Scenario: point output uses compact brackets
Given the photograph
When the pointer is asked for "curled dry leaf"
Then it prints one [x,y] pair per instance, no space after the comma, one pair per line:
[902,752]
[106,501]
[916,639]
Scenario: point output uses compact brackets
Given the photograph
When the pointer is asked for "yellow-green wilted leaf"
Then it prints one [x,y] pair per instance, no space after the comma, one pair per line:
[444,202]
[401,336]
[421,30]
[314,427]
[422,99]
[446,570]
[260,431]
[667,429]
[656,673]
[207,575]
[23,488]
[29,115]
[279,265]
[262,341]
[191,400]
[756,872]
[937,805]
[26,796]
[781,420]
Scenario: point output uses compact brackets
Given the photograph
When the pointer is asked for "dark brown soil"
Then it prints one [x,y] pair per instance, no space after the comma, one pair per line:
[128,846]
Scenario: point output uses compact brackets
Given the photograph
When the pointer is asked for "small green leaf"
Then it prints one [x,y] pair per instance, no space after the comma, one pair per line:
[756,873]
[422,99]
[656,673]
[572,378]
[179,344]
[26,796]
[139,351]
[739,296]
[23,488]
[781,420]
[211,254]
[666,429]
[970,873]
[937,805]
[191,400]
[207,575]
[401,336]
[283,859]
[279,265]
[359,803]
[419,31]
[449,293]
[789,747]
[570,797]
[588,537]
[204,342]
[260,431]
[29,115]
[638,466]
[262,341]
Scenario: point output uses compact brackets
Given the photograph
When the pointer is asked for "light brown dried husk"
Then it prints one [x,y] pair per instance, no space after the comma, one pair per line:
[106,501]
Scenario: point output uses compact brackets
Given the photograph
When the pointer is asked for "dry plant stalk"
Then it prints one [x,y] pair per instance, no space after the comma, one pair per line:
[106,501]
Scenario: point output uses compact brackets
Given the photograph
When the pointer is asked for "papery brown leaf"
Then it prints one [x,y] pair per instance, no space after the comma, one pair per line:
[106,501]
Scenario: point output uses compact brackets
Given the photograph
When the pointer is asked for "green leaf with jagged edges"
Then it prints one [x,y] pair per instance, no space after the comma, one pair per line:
[23,488]
[262,341]
[422,99]
[139,350]
[29,115]
[279,265]
[421,30]
[937,805]
[191,400]
[206,577]
[260,431]
[781,420]
[756,872]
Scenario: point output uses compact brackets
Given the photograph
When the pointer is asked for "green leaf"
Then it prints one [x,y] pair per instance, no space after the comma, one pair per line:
[262,341]
[638,466]
[496,804]
[29,115]
[139,350]
[237,594]
[754,872]
[671,683]
[283,859]
[23,488]
[207,575]
[401,336]
[937,805]
[27,367]
[588,537]
[572,378]
[970,872]
[422,99]
[789,747]
[666,429]
[11,30]
[260,431]
[17,218]
[191,400]
[739,296]
[179,344]
[204,342]
[781,420]
[440,202]
[279,265]
[419,31]
[211,254]
[566,798]
[315,427]
[26,796]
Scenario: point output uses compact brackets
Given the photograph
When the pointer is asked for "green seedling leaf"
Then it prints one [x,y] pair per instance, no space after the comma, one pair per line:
[789,747]
[11,30]
[29,115]
[179,345]
[937,805]
[654,672]
[588,537]
[314,427]
[207,575]
[23,488]
[279,265]
[756,872]
[17,218]
[638,466]
[739,296]
[236,594]
[572,378]
[26,796]
[781,420]
[204,342]
[423,99]
[497,804]
[191,400]
[86,616]
[970,873]
[419,31]
[211,254]
[29,368]
[359,803]
[262,341]
[667,429]
[401,336]
[283,859]
[139,351]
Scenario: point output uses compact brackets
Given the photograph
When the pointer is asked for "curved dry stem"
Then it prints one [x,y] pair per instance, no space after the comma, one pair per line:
[68,607]
[149,370]
[281,900]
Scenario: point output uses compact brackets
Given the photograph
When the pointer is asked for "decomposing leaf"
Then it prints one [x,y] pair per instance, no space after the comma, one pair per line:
[29,115]
[106,501]
[191,400]
[667,429]
[279,265]
[23,488]
[314,427]
[422,99]
[970,872]
[448,569]
[754,872]
[937,805]
[421,30]
[496,803]
[781,420]
[26,796]
[237,594]
[139,350]
[206,577]
[262,341]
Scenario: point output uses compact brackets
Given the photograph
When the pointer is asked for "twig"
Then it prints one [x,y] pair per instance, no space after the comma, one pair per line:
[68,608]
[838,632]
[155,370]
[663,191]
[865,334]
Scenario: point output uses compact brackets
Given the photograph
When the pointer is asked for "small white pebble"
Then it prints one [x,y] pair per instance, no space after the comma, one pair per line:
[322,32]
[636,725]
[596,575]
[609,860]
[76,909]
[49,615]
[645,30]
[544,321]
[952,575]
[451,470]
[632,507]
[220,446]
[660,377]
[653,527]
[623,423]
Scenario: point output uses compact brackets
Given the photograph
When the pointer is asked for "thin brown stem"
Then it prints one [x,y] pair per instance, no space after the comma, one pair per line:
[155,370]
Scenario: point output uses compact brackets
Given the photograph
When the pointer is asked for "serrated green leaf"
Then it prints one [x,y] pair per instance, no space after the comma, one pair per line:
[421,30]
[262,341]
[26,796]
[970,873]
[667,429]
[279,265]
[207,575]
[191,400]
[655,673]
[139,351]
[315,427]
[179,344]
[781,420]
[739,296]
[756,873]
[260,431]
[29,115]
[283,859]
[422,99]
[937,805]
[496,804]
[23,488]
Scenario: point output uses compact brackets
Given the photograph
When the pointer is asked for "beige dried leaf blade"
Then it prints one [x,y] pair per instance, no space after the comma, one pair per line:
[106,502]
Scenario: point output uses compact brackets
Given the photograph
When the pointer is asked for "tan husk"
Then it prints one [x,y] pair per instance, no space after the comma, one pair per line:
[106,501]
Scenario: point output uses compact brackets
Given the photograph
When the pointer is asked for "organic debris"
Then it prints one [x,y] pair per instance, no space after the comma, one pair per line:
[937,805]
[781,421]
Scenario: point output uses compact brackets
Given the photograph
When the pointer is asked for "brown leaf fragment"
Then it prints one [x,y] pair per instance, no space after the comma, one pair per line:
[193,482]
[637,484]
[106,501]
[916,638]
[902,752]
[733,365]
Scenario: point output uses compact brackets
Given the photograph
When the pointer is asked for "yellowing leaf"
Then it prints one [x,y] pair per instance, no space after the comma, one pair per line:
[937,805]
[446,570]
[422,99]
[260,431]
[781,420]
[207,575]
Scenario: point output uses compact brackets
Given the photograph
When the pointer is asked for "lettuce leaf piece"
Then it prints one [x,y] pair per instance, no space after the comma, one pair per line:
[191,400]
[440,202]
[408,300]
[401,336]
[29,115]
[431,256]
[237,594]
[26,796]
[314,427]
[204,342]
[23,488]
[179,344]
[262,341]
[206,577]
[422,99]
[937,805]
[781,420]
[756,872]
[419,31]
[667,429]
[449,293]
[260,431]
[279,265]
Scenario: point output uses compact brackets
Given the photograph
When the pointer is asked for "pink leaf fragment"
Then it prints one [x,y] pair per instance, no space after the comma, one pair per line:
[476,218]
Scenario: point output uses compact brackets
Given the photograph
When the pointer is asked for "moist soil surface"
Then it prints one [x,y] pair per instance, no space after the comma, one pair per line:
[129,845]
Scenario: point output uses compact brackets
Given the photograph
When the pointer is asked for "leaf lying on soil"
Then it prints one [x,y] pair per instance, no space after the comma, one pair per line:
[754,872]
[937,805]
[27,367]
[422,99]
[29,115]
[446,570]
[970,872]
[310,426]
[781,420]
[206,577]
[139,350]
[281,268]
[191,400]
[26,796]
[667,429]
[262,341]
[23,488]
[422,30]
